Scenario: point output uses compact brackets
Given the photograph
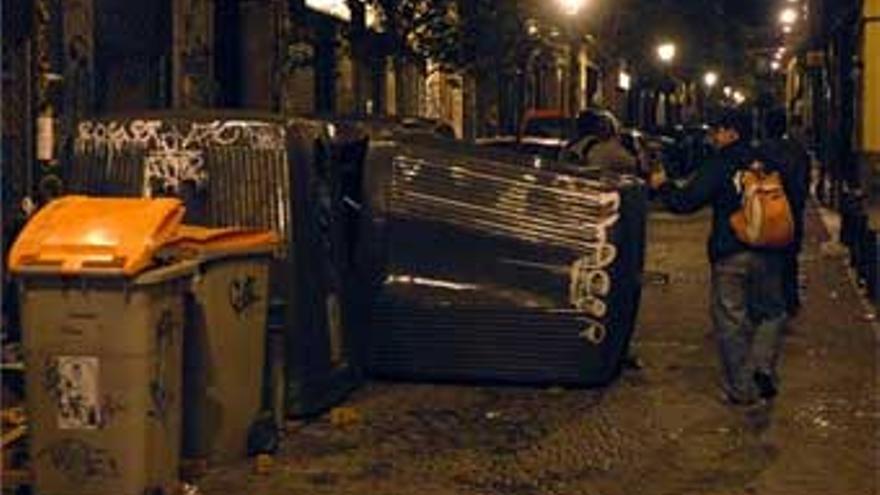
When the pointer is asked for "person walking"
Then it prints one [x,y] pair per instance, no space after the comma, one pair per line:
[781,151]
[599,145]
[747,304]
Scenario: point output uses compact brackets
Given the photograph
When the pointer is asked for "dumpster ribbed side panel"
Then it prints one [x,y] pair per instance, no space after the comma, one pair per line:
[479,344]
[531,206]
[501,272]
[248,188]
[243,169]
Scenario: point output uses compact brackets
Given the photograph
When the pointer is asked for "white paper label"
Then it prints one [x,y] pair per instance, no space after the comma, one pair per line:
[78,393]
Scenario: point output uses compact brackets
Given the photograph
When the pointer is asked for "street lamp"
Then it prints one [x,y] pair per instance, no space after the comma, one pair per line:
[775,65]
[710,79]
[571,7]
[666,52]
[624,80]
[738,97]
[728,91]
[788,16]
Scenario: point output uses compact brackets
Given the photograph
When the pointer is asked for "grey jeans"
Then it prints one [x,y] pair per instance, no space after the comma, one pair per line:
[748,312]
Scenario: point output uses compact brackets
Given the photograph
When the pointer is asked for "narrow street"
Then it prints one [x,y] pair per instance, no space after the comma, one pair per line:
[440,247]
[661,430]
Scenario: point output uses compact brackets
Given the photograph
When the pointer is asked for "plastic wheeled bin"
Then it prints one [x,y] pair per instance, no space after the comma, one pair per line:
[103,345]
[225,343]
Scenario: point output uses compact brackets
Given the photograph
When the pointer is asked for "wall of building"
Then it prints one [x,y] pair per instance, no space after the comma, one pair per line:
[868,126]
[257,54]
[870,83]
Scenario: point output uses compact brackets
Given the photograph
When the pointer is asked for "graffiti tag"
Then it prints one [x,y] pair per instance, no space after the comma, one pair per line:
[160,397]
[79,461]
[175,150]
[243,294]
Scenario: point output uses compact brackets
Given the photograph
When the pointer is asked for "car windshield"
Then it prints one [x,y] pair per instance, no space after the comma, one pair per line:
[557,127]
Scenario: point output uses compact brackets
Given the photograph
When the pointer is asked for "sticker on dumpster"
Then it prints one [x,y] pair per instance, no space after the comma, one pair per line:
[77,392]
[243,294]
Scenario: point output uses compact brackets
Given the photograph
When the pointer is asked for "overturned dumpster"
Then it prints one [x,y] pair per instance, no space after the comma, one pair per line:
[500,268]
[247,170]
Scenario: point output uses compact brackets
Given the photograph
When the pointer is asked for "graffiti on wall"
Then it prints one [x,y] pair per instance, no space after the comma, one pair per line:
[174,151]
[79,461]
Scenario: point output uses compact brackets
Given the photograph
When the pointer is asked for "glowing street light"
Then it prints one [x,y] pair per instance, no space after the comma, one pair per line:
[710,79]
[624,81]
[571,7]
[775,65]
[532,27]
[728,91]
[666,52]
[738,97]
[788,16]
[786,29]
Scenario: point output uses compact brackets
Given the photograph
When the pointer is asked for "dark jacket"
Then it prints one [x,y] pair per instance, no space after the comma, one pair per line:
[714,184]
[793,162]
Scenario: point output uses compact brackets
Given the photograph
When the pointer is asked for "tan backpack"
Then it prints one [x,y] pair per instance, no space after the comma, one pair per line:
[765,219]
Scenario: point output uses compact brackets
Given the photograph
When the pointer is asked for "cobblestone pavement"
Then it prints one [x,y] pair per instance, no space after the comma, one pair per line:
[661,430]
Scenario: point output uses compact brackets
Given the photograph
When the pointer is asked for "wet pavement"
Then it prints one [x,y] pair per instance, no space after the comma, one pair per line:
[659,430]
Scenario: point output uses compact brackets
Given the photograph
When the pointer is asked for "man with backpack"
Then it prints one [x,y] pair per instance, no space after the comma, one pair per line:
[747,305]
[783,152]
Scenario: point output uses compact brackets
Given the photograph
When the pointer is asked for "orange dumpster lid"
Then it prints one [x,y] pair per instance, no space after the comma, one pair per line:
[79,235]
[212,242]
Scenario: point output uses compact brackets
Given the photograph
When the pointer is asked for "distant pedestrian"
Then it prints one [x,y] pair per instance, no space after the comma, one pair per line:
[783,152]
[599,145]
[747,304]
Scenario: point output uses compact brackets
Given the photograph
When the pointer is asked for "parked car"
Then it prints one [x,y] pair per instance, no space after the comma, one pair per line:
[539,148]
[434,126]
[547,124]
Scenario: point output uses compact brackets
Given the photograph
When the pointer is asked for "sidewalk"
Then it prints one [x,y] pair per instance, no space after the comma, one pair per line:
[659,430]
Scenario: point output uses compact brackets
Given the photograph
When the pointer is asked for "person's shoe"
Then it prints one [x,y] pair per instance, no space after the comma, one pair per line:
[632,362]
[764,383]
[732,400]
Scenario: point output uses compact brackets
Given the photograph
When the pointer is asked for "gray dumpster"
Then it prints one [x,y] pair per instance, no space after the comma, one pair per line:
[103,345]
[260,171]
